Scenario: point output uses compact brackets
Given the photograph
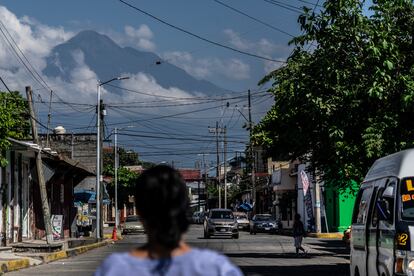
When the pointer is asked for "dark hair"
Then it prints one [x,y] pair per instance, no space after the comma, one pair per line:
[162,202]
[297,217]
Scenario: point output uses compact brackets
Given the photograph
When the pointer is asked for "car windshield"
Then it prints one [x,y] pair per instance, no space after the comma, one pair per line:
[222,215]
[241,217]
[132,218]
[263,218]
[407,198]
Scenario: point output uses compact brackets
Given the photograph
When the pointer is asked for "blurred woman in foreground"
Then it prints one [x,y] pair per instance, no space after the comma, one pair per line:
[162,202]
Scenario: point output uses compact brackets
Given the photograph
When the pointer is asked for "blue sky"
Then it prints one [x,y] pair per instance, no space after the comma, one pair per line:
[203,17]
[38,26]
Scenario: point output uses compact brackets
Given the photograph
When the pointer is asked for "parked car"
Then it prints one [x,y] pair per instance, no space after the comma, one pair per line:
[132,225]
[198,217]
[220,222]
[264,223]
[242,220]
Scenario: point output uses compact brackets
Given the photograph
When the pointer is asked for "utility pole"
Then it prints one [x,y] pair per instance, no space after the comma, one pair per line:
[317,206]
[72,150]
[252,159]
[225,167]
[49,117]
[218,163]
[98,164]
[205,176]
[39,169]
[116,165]
[216,132]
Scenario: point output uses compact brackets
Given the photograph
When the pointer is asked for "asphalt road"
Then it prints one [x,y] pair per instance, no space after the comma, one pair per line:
[261,254]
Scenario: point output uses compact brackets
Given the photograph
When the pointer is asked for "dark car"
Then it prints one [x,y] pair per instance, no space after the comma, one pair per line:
[264,223]
[221,222]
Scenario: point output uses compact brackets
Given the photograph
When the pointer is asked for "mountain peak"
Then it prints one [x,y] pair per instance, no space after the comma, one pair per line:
[107,59]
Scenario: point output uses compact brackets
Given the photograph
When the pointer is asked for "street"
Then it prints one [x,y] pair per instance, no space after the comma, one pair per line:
[260,254]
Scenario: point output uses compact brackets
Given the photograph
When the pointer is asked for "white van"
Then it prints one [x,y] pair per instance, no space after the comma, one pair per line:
[382,235]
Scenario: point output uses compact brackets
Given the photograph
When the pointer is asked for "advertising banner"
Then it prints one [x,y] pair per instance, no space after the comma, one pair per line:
[57,225]
[307,199]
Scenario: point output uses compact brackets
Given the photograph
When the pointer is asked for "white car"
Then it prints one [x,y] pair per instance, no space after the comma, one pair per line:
[242,220]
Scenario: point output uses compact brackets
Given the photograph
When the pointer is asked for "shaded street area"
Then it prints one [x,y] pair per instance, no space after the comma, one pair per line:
[260,254]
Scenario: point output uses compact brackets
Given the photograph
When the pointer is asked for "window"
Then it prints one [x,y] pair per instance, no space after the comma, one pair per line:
[362,205]
[407,199]
[222,215]
[262,217]
[386,195]
[132,218]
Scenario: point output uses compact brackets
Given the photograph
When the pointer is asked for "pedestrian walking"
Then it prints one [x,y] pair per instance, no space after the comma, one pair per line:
[298,234]
[162,203]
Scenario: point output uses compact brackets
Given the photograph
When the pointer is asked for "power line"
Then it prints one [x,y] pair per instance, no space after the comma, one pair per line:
[198,36]
[253,18]
[179,98]
[175,138]
[285,6]
[26,62]
[5,85]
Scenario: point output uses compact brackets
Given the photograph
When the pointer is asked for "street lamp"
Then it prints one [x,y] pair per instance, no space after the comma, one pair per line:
[98,155]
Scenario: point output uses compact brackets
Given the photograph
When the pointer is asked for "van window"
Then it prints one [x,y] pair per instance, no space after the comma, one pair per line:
[407,198]
[362,203]
[387,194]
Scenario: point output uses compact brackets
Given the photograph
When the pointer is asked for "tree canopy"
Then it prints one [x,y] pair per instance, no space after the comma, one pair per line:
[13,120]
[345,96]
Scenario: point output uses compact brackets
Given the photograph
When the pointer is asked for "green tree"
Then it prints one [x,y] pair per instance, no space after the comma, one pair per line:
[126,183]
[345,96]
[126,157]
[13,121]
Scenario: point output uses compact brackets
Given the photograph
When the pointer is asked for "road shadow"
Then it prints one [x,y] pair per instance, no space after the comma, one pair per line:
[300,270]
[285,255]
[216,238]
[336,247]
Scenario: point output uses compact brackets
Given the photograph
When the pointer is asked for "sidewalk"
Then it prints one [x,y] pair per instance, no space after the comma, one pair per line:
[11,261]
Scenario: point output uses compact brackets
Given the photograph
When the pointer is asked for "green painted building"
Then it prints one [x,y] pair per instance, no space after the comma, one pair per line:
[339,205]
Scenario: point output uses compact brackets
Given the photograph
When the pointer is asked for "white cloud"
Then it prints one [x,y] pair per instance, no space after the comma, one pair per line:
[208,67]
[263,47]
[236,40]
[34,39]
[141,37]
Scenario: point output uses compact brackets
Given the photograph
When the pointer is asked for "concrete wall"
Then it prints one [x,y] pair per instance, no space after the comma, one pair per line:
[79,146]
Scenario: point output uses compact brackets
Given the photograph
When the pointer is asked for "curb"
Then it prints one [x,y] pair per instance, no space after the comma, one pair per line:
[6,266]
[325,235]
[73,251]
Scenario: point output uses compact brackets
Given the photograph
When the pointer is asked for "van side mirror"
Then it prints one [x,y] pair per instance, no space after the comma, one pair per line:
[382,210]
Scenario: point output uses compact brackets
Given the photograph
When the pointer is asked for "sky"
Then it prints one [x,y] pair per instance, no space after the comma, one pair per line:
[38,26]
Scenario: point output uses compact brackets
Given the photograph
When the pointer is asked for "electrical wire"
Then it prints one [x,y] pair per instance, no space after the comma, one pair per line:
[254,18]
[5,85]
[25,61]
[198,36]
[284,5]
